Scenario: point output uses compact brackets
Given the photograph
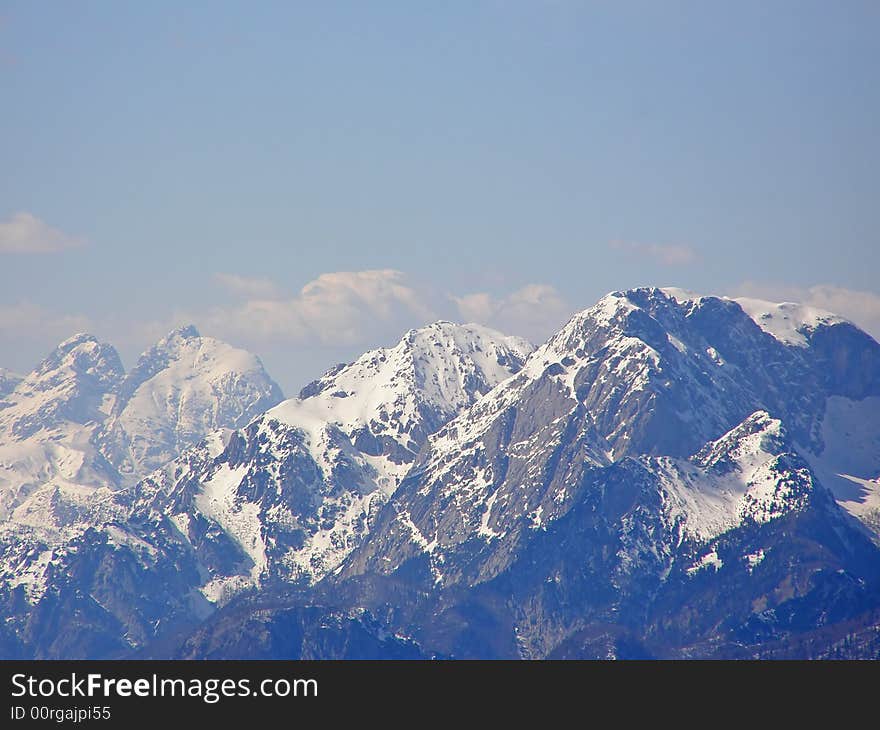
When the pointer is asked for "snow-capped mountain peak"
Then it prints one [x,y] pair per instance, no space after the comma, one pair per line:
[297,489]
[76,430]
[409,390]
[73,383]
[641,377]
[759,433]
[749,474]
[49,465]
[182,388]
[663,450]
[787,322]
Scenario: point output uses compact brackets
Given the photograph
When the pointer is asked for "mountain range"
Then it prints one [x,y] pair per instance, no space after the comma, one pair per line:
[670,475]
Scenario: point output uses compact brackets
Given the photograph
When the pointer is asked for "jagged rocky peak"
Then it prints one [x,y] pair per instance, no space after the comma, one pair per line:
[752,473]
[173,341]
[653,456]
[759,432]
[454,363]
[82,355]
[624,312]
[411,389]
[157,358]
[77,431]
[74,383]
[663,371]
[790,323]
[642,324]
[291,494]
[185,332]
[48,465]
[182,388]
[641,374]
[480,356]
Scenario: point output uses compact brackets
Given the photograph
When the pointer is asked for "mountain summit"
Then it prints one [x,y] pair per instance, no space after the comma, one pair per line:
[181,389]
[77,432]
[296,490]
[669,475]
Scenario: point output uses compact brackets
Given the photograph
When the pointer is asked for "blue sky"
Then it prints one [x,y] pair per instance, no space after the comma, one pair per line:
[507,162]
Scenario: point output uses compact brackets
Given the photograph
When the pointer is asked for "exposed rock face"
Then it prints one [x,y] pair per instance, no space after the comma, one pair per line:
[75,435]
[296,490]
[669,475]
[281,500]
[659,448]
[180,390]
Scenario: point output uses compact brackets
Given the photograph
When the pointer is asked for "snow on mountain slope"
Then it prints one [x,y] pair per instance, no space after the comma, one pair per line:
[643,369]
[788,322]
[848,458]
[661,446]
[641,374]
[182,388]
[471,521]
[8,381]
[76,431]
[53,479]
[72,384]
[297,489]
[47,431]
[751,474]
[389,400]
[78,423]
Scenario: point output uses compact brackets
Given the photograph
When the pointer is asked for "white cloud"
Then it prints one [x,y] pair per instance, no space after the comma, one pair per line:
[535,311]
[338,308]
[25,233]
[26,320]
[334,317]
[666,254]
[861,307]
[249,287]
[367,308]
